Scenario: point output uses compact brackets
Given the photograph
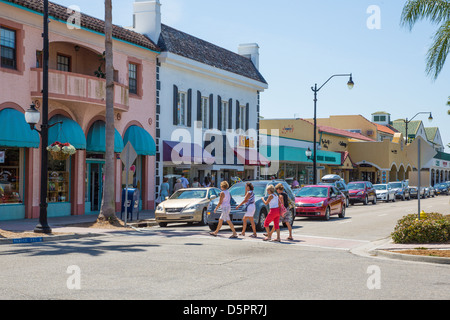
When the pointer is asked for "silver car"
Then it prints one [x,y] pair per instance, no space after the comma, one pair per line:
[385,192]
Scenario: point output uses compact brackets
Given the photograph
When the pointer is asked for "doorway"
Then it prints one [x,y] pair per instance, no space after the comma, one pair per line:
[94,186]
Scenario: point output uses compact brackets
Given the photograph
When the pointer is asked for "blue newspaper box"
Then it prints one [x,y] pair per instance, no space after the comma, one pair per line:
[132,204]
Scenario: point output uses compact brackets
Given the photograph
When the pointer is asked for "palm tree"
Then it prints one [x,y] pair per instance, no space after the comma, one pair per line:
[438,13]
[107,211]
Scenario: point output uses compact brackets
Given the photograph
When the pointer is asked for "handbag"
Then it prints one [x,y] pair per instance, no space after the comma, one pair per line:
[283,209]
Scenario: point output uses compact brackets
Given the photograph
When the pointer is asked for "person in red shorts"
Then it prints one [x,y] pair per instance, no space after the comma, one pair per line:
[274,213]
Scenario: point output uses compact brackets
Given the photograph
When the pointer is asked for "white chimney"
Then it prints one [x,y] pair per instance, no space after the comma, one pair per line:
[147,18]
[250,51]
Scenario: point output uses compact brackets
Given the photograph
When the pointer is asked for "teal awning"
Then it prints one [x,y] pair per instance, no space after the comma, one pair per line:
[15,131]
[96,139]
[67,132]
[292,154]
[141,141]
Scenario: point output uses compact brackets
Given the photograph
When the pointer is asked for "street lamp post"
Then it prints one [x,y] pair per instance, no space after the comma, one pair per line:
[33,118]
[407,122]
[316,89]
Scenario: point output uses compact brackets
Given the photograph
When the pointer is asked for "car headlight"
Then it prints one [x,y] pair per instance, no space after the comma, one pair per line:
[159,208]
[319,204]
[360,193]
[193,207]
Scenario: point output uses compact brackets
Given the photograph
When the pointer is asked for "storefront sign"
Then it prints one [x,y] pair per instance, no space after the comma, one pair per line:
[246,142]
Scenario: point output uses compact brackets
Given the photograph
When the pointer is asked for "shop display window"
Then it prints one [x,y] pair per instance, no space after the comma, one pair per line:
[58,181]
[10,176]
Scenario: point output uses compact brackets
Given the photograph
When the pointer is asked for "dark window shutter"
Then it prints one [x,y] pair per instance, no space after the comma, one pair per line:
[238,114]
[211,111]
[247,116]
[219,113]
[199,106]
[175,105]
[230,114]
[189,108]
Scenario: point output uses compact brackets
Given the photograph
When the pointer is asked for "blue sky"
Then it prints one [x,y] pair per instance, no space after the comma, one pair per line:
[305,42]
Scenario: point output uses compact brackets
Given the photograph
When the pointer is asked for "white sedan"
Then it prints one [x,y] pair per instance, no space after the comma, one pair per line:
[384,192]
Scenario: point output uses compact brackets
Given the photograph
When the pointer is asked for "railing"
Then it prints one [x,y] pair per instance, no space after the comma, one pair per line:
[78,87]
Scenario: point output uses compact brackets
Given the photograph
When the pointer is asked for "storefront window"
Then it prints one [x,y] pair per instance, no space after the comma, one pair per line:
[10,176]
[58,180]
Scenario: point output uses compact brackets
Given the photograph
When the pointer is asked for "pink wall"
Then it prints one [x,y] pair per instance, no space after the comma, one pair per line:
[17,87]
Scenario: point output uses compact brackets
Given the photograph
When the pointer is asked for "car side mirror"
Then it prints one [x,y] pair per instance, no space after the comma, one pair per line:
[212,197]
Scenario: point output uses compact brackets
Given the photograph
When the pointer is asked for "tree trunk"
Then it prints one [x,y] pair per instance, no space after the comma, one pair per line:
[107,211]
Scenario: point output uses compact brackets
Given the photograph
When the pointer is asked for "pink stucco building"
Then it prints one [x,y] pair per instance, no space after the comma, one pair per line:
[77,98]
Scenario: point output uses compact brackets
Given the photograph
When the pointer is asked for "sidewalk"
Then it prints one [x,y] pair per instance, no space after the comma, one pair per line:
[62,224]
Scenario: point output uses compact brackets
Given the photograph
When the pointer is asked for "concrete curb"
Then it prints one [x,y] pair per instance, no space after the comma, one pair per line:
[38,239]
[410,257]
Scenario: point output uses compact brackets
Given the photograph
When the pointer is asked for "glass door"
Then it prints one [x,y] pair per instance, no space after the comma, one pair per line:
[94,186]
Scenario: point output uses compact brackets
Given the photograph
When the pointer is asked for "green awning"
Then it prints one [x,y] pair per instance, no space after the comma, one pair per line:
[15,131]
[292,154]
[141,141]
[96,139]
[67,132]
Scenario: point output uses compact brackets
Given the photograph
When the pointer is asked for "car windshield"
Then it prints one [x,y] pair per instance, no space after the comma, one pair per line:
[355,186]
[189,194]
[380,187]
[238,190]
[396,185]
[440,185]
[316,192]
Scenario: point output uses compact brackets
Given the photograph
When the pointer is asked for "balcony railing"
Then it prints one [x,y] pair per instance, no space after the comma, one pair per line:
[70,86]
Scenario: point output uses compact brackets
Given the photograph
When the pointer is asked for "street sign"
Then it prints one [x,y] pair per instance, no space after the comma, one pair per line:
[127,156]
[427,152]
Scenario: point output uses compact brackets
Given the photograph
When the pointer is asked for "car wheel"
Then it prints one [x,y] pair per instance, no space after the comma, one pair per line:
[347,202]
[327,214]
[403,197]
[393,200]
[163,224]
[374,200]
[342,214]
[262,219]
[212,226]
[366,201]
[204,220]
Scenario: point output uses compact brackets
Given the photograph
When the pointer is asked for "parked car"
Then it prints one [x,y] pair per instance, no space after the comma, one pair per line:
[339,184]
[237,193]
[384,192]
[413,190]
[362,191]
[186,205]
[431,192]
[441,188]
[319,201]
[401,190]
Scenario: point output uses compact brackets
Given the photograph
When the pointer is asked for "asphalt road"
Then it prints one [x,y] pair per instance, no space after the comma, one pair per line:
[181,262]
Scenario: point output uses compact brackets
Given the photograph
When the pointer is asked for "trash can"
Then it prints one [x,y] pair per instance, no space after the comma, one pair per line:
[132,204]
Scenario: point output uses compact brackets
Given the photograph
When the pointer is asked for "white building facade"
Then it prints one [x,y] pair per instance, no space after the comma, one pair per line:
[207,104]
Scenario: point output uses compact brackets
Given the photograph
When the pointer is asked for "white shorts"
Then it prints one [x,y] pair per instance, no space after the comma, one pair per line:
[225,216]
[250,210]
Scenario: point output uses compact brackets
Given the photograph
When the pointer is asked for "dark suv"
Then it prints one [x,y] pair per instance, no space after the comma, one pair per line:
[362,191]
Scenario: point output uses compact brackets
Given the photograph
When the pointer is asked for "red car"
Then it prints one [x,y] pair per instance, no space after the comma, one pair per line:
[362,191]
[319,201]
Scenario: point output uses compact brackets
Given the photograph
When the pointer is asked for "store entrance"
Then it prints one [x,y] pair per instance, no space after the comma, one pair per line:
[94,186]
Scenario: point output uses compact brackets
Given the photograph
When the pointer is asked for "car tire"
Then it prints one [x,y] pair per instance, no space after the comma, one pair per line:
[374,201]
[261,220]
[327,214]
[204,220]
[393,200]
[212,226]
[366,201]
[347,202]
[163,224]
[342,214]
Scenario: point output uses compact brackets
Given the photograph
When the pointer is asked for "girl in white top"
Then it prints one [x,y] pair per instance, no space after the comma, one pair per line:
[250,200]
[225,204]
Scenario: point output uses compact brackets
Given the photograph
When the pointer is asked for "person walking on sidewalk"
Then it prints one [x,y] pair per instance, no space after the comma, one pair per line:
[225,204]
[250,200]
[274,213]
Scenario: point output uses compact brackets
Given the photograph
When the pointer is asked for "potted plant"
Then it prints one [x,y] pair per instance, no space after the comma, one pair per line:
[61,151]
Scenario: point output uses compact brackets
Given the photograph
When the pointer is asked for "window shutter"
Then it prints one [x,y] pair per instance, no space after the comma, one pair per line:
[211,111]
[175,105]
[230,114]
[199,106]
[219,112]
[247,116]
[189,108]
[238,114]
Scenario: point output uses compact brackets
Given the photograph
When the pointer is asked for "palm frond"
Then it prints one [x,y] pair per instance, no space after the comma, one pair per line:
[437,54]
[436,11]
